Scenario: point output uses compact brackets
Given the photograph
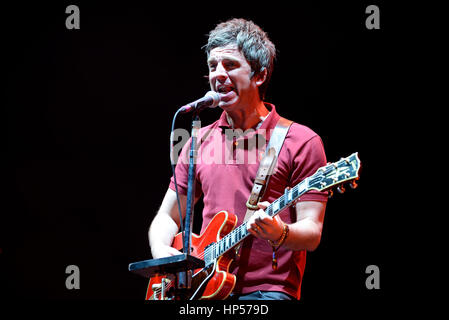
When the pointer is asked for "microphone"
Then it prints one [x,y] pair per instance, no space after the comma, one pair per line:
[210,100]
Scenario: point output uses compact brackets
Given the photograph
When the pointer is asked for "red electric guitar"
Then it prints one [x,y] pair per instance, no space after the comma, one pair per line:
[214,282]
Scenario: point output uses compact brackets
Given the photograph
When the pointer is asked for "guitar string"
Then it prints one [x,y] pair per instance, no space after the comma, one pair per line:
[270,210]
[212,248]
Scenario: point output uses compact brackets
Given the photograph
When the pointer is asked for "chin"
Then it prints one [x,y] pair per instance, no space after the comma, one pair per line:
[228,105]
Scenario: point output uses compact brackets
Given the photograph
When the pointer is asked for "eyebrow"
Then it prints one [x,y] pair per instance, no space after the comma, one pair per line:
[224,57]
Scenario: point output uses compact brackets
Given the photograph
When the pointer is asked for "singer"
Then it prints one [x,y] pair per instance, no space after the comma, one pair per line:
[270,263]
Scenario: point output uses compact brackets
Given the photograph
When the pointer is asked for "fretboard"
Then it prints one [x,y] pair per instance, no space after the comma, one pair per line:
[216,249]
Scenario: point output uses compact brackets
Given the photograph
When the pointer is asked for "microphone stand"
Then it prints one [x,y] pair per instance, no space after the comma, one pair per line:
[185,277]
[180,265]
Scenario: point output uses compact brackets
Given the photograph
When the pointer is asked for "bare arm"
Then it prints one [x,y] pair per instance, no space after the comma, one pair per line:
[165,225]
[304,234]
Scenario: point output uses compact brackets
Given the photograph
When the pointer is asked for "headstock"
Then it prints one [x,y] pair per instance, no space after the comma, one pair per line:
[335,174]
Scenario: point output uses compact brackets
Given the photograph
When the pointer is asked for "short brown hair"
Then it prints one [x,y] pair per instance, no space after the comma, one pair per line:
[251,40]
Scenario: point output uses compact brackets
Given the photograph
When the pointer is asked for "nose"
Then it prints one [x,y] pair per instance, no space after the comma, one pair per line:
[219,74]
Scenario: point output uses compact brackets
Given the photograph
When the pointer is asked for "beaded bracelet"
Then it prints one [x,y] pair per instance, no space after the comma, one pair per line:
[276,245]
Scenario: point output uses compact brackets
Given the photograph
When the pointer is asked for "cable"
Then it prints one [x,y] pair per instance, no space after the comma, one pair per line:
[174,172]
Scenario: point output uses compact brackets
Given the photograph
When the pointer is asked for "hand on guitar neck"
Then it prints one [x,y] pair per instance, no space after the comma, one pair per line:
[262,226]
[223,233]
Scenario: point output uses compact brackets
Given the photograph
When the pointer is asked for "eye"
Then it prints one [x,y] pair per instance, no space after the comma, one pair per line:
[212,66]
[230,65]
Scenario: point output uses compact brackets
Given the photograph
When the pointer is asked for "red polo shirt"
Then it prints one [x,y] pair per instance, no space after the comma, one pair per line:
[226,167]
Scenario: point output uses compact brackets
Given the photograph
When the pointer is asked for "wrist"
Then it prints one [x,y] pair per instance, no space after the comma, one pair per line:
[280,241]
[276,244]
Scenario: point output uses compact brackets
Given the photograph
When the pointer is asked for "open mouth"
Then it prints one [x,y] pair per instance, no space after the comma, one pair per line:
[224,89]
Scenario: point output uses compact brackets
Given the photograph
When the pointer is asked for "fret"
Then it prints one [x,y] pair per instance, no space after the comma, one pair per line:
[269,210]
[295,193]
[281,202]
[276,206]
[342,172]
[289,196]
[303,186]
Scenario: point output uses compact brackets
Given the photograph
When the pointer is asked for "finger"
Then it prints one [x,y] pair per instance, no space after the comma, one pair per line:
[251,224]
[255,218]
[263,204]
[257,227]
[254,233]
[166,251]
[263,218]
[173,252]
[254,230]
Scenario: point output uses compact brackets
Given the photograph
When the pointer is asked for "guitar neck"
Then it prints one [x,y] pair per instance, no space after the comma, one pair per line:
[329,176]
[240,233]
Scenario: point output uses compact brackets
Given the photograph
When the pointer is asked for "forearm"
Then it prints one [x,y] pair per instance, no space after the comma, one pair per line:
[165,226]
[161,233]
[303,235]
[162,230]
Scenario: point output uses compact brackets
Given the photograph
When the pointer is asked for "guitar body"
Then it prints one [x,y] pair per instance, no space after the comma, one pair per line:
[216,284]
[214,281]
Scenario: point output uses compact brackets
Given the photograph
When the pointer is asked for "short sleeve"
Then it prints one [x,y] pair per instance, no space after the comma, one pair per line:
[306,161]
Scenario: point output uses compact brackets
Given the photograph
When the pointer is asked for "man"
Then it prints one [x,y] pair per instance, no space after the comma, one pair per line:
[240,59]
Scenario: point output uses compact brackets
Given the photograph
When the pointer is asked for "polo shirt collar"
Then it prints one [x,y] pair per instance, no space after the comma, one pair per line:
[269,123]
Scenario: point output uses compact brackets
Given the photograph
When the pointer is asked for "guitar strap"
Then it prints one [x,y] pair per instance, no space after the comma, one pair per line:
[266,167]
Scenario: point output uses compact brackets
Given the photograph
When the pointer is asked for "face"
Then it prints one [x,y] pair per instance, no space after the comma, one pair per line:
[229,75]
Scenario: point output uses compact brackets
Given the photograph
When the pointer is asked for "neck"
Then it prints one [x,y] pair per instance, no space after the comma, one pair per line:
[247,118]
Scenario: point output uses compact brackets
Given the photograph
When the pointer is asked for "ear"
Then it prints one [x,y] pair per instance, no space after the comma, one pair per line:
[261,77]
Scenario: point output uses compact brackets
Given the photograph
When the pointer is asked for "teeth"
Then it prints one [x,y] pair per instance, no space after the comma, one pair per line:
[224,89]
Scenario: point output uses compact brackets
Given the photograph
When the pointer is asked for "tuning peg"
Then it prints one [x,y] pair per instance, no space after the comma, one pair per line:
[341,189]
[353,184]
[331,193]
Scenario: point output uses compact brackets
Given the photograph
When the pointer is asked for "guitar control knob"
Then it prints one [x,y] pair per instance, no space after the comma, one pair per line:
[353,184]
[341,189]
[331,193]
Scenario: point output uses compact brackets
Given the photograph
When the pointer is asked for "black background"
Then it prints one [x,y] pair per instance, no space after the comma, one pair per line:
[88,115]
